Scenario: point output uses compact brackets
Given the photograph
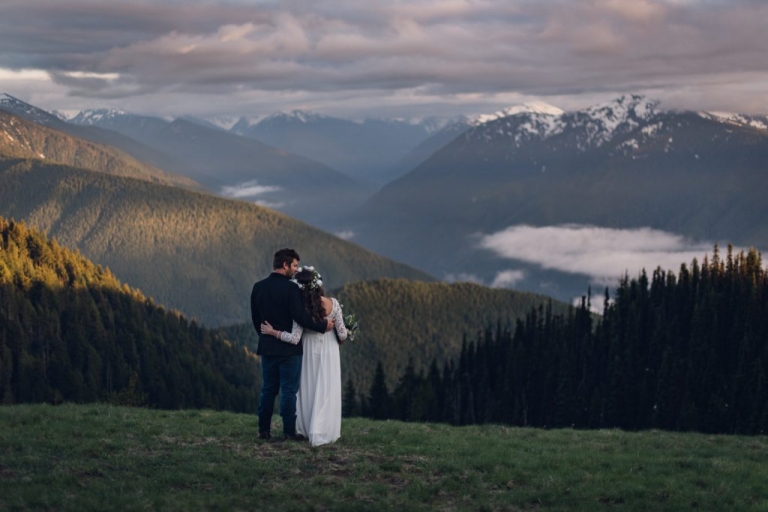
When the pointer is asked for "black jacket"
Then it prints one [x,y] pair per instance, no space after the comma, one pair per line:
[278,301]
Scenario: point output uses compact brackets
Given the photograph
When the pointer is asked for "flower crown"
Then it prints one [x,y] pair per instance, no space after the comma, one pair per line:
[317,279]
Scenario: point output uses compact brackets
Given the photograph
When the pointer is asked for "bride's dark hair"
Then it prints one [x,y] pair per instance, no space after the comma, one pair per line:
[311,296]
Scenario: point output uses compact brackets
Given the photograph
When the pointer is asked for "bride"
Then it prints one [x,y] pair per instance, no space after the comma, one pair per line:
[318,405]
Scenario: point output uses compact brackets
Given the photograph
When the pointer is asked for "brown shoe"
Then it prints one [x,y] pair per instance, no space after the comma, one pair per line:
[295,437]
[266,436]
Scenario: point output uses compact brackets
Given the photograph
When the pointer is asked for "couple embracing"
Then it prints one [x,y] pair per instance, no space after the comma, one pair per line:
[299,334]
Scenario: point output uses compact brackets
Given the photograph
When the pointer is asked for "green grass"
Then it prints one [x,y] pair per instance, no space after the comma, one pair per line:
[100,457]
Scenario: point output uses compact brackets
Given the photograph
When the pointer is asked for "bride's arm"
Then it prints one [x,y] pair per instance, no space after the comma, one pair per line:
[338,321]
[292,337]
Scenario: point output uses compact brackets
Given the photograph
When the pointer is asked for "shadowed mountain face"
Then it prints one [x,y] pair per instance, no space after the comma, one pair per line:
[367,151]
[622,165]
[426,149]
[191,251]
[235,166]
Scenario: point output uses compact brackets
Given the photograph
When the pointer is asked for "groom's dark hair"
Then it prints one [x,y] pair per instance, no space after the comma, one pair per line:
[284,256]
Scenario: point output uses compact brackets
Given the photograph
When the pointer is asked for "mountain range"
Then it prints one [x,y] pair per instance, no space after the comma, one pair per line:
[127,145]
[622,165]
[366,151]
[239,167]
[23,139]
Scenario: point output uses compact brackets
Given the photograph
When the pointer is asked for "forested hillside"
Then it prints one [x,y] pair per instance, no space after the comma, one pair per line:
[23,139]
[70,331]
[403,320]
[190,251]
[685,351]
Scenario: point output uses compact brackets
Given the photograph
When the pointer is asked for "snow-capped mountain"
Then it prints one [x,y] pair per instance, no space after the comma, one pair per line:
[244,123]
[223,122]
[299,116]
[623,164]
[98,117]
[583,129]
[752,121]
[534,107]
[65,115]
[26,111]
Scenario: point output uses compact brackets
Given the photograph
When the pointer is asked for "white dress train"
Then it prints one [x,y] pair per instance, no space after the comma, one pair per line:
[318,404]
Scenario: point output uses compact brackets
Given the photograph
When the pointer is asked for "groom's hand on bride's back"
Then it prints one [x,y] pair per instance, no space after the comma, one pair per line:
[330,326]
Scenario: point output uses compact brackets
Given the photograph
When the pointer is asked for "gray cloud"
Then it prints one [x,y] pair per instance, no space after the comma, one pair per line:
[452,55]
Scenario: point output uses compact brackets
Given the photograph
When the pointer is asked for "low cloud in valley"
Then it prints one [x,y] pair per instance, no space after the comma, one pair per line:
[603,254]
[248,189]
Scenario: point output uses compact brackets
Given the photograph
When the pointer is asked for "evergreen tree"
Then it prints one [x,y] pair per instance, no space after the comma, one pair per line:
[379,406]
[350,407]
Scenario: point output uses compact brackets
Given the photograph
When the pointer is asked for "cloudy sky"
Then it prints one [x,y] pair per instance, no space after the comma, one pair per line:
[406,58]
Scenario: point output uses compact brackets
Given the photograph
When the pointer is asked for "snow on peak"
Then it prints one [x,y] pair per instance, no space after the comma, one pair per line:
[737,119]
[25,110]
[590,127]
[224,122]
[7,98]
[302,116]
[10,101]
[65,115]
[622,109]
[601,122]
[532,107]
[97,115]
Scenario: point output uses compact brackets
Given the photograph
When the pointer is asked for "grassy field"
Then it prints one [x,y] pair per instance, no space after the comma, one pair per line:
[100,457]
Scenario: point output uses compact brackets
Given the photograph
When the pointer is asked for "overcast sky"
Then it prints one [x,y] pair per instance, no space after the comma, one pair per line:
[381,58]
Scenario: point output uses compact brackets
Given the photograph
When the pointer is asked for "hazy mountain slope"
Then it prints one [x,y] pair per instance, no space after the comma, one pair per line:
[23,139]
[236,166]
[191,251]
[70,331]
[621,165]
[425,149]
[363,150]
[402,320]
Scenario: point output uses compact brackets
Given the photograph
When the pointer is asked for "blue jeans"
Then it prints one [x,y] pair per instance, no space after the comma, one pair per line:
[283,374]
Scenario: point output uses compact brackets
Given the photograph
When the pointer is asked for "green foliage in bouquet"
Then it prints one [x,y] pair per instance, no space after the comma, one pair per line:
[352,325]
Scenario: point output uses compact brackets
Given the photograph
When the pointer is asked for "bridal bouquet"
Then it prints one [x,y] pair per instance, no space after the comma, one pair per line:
[351,324]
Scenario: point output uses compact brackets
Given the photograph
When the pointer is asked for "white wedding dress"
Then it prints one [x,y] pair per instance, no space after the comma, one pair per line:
[318,405]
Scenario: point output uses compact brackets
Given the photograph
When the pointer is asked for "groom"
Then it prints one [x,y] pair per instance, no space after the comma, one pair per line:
[278,301]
